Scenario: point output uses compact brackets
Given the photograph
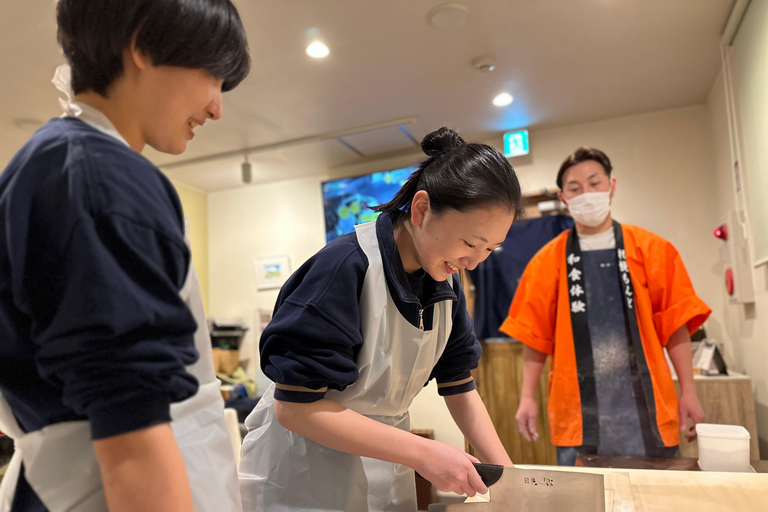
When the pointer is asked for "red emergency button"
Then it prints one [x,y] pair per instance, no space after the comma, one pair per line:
[722,232]
[729,281]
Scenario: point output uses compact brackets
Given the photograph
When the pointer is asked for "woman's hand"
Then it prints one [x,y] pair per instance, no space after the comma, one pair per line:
[450,469]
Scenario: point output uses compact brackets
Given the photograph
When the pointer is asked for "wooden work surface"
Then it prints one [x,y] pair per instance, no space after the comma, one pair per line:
[725,400]
[675,491]
[676,464]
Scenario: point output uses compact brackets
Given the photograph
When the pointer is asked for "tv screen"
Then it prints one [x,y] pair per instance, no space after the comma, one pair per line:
[347,200]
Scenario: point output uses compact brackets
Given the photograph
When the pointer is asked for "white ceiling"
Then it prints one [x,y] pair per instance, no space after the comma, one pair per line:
[565,62]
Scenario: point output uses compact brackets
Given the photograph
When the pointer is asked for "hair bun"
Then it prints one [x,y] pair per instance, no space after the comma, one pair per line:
[441,141]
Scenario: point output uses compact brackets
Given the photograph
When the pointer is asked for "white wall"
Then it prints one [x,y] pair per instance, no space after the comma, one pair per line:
[274,219]
[745,325]
[666,183]
[750,82]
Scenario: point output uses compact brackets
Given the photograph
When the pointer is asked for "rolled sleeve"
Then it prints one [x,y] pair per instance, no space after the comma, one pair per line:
[673,298]
[463,383]
[129,415]
[311,344]
[299,394]
[113,333]
[305,353]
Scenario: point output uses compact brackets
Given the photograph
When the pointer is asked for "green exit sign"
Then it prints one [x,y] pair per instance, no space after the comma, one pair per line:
[516,143]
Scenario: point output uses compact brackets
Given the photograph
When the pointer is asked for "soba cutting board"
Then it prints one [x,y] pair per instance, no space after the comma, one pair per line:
[699,491]
[618,497]
[682,491]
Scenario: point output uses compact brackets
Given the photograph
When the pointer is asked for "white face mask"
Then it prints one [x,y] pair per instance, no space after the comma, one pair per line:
[590,208]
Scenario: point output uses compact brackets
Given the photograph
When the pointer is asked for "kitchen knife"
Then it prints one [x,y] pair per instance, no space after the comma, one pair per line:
[538,490]
[489,473]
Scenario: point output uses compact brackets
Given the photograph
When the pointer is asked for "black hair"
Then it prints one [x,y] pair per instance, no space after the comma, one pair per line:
[194,34]
[458,176]
[583,154]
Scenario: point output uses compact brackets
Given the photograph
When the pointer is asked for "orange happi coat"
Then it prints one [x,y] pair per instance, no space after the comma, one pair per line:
[540,317]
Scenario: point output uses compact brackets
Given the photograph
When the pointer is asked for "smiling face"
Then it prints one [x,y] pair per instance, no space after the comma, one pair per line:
[444,243]
[169,102]
[178,100]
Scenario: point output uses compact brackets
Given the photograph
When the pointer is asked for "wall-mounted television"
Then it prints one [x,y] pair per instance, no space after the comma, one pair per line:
[347,200]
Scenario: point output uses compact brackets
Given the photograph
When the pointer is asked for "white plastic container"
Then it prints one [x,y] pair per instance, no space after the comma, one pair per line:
[723,448]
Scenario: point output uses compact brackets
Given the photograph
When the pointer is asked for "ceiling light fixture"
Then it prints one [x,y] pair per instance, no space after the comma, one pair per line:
[246,169]
[448,16]
[318,50]
[485,63]
[503,99]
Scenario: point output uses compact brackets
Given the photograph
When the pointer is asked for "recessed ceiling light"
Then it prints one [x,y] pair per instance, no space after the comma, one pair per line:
[484,63]
[317,50]
[503,99]
[448,16]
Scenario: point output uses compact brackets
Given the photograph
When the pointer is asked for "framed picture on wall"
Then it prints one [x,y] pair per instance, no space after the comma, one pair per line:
[272,271]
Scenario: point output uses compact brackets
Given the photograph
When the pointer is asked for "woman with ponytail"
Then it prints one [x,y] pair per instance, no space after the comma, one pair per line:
[362,327]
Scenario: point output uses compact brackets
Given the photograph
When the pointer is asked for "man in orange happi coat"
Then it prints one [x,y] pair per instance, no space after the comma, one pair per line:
[604,300]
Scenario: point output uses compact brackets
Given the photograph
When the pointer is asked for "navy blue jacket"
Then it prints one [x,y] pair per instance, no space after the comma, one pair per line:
[315,333]
[92,258]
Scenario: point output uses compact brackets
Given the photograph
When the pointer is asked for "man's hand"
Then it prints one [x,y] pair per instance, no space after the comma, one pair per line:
[689,407]
[526,418]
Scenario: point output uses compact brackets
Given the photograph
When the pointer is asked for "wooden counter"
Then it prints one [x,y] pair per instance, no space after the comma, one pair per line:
[675,491]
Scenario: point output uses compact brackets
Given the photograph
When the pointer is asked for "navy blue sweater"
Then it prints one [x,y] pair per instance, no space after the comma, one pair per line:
[92,259]
[315,333]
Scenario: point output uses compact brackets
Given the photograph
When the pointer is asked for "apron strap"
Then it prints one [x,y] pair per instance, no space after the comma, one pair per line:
[585,365]
[646,401]
[11,428]
[583,345]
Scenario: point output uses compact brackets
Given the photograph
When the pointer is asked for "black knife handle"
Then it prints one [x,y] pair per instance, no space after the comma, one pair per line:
[489,473]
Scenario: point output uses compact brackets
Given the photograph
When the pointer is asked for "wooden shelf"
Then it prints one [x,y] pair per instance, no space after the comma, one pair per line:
[533,198]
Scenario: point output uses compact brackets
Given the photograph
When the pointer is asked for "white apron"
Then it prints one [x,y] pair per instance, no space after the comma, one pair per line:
[282,471]
[59,462]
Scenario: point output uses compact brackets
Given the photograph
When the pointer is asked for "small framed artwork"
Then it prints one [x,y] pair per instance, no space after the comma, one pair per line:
[271,272]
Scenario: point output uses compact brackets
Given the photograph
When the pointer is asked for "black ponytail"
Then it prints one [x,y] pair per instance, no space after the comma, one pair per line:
[458,176]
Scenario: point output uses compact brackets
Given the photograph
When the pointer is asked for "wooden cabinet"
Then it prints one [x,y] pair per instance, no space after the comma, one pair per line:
[499,379]
[426,493]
